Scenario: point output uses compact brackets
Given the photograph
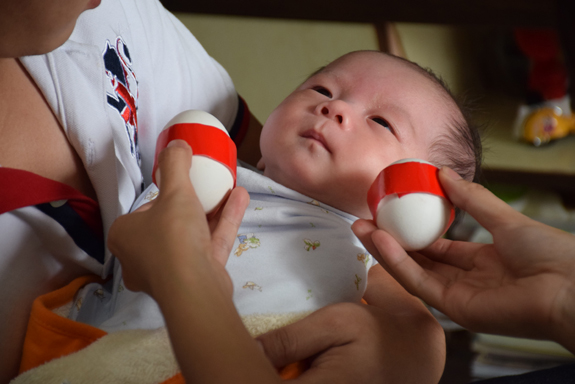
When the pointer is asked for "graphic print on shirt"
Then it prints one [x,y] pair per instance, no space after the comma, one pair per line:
[151,195]
[247,241]
[357,281]
[363,257]
[318,204]
[309,294]
[251,285]
[118,63]
[311,245]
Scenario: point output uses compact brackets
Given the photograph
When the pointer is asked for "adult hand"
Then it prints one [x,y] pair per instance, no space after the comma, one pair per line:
[166,250]
[173,229]
[521,285]
[392,340]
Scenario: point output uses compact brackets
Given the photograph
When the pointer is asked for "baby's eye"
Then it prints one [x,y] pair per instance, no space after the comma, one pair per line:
[383,123]
[323,91]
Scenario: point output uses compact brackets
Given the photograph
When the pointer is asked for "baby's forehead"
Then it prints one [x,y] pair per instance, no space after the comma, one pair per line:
[363,58]
[396,81]
[374,65]
[391,72]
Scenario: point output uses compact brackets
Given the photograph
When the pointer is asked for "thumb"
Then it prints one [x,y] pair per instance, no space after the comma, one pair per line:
[476,200]
[299,340]
[174,164]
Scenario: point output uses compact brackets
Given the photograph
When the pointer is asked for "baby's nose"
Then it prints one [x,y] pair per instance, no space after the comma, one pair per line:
[337,116]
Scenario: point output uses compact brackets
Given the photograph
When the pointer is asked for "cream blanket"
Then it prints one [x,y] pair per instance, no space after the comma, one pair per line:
[131,356]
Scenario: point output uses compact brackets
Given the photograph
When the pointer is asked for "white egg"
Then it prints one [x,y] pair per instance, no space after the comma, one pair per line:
[198,117]
[416,219]
[212,179]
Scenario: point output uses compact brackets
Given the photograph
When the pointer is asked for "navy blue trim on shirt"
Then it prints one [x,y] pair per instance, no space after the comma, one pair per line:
[239,121]
[77,229]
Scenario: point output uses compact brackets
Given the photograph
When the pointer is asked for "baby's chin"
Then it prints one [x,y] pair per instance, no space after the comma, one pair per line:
[356,208]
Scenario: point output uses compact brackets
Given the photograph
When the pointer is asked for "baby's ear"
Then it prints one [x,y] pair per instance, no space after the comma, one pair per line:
[261,165]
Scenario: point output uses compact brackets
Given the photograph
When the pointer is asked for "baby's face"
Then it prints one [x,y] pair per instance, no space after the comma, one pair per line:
[331,137]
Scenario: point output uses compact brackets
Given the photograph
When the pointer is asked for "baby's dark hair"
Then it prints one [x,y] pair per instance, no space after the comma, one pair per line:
[460,147]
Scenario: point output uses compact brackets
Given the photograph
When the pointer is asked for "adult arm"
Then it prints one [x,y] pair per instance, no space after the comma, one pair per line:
[521,285]
[167,251]
[394,339]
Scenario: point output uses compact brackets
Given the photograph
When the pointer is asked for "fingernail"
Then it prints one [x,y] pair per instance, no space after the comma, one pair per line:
[451,173]
[177,143]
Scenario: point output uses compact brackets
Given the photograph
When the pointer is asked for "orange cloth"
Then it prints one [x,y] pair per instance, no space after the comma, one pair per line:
[50,336]
[293,371]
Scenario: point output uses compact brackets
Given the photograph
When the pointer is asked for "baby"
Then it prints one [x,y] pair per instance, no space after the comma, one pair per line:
[322,147]
[328,140]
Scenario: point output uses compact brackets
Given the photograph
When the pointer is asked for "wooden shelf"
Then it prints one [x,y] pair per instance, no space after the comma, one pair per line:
[504,152]
[470,12]
[510,161]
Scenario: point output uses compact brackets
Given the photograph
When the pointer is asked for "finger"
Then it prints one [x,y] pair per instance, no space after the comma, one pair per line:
[174,164]
[383,291]
[330,372]
[456,253]
[320,375]
[115,235]
[440,251]
[214,216]
[305,338]
[224,234]
[407,271]
[476,200]
[144,207]
[363,229]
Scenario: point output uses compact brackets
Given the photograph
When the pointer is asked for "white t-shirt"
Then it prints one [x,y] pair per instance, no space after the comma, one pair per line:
[128,68]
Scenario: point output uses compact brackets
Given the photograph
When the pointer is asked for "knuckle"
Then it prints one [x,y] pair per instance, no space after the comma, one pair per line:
[477,187]
[171,151]
[467,194]
[341,318]
[286,343]
[221,246]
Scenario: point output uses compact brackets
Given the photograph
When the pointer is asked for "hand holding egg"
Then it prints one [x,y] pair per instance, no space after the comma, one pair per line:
[407,201]
[213,171]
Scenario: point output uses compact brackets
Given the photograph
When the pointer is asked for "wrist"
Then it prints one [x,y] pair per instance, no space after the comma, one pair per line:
[188,275]
[206,331]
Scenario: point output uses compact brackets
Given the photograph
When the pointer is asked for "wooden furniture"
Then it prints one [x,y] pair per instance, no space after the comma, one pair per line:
[500,12]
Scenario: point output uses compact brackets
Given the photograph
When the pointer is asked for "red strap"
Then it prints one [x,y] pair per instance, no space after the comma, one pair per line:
[23,189]
[403,179]
[205,140]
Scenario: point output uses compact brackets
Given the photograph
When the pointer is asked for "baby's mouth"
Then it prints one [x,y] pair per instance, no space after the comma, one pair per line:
[313,135]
